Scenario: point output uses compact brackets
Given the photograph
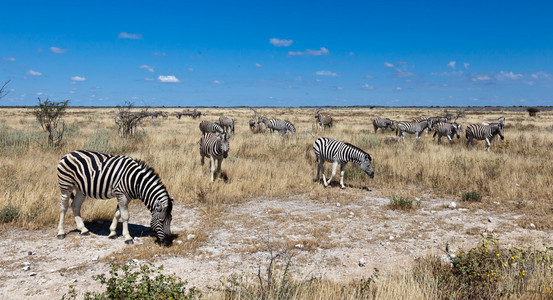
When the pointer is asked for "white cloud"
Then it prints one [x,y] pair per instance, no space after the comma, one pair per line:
[280,43]
[217,82]
[339,88]
[58,50]
[78,78]
[403,74]
[146,67]
[156,53]
[451,64]
[508,75]
[168,79]
[149,79]
[326,73]
[388,65]
[34,73]
[398,88]
[39,94]
[448,74]
[258,65]
[368,87]
[482,77]
[132,36]
[190,69]
[541,75]
[8,58]
[309,52]
[368,77]
[466,65]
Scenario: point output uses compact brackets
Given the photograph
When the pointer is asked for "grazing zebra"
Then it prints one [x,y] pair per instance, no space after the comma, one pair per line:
[208,126]
[327,149]
[215,147]
[436,120]
[383,123]
[484,132]
[227,124]
[104,176]
[252,124]
[447,129]
[411,127]
[324,120]
[279,125]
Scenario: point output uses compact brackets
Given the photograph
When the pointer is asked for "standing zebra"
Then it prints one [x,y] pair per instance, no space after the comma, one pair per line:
[215,147]
[484,132]
[447,129]
[411,127]
[227,124]
[279,125]
[422,118]
[104,176]
[324,120]
[208,126]
[383,123]
[327,149]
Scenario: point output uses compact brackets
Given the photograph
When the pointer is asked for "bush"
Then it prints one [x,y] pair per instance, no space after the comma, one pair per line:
[402,203]
[9,213]
[138,282]
[48,115]
[472,196]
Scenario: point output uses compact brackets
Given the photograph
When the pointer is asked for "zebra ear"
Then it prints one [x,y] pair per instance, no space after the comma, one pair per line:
[157,206]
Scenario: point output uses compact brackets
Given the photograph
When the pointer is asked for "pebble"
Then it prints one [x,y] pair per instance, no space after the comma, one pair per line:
[391,237]
[190,236]
[95,258]
[489,219]
[30,253]
[299,246]
[452,205]
[26,268]
[362,262]
[179,242]
[532,225]
[338,204]
[32,274]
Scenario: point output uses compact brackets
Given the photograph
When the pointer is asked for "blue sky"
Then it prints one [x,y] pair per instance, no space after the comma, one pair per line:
[281,53]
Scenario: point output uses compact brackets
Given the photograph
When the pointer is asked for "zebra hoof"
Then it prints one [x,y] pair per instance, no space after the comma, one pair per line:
[113,237]
[86,233]
[60,236]
[343,187]
[129,242]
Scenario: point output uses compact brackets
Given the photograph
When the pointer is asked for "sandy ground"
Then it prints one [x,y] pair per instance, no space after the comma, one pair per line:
[325,239]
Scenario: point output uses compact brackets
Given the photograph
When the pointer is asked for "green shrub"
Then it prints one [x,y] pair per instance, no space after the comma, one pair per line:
[472,196]
[99,141]
[402,203]
[9,213]
[131,281]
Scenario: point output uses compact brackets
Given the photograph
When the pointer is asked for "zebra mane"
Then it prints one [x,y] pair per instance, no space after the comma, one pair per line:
[359,149]
[147,169]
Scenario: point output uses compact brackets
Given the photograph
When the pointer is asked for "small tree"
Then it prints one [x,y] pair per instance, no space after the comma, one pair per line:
[127,120]
[48,115]
[3,92]
[532,111]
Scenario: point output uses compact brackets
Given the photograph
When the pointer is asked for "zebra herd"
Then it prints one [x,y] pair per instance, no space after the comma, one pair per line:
[92,174]
[442,127]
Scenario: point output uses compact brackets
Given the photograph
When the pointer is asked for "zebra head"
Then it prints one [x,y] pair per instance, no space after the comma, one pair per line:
[457,130]
[161,222]
[223,144]
[390,123]
[500,130]
[261,120]
[367,166]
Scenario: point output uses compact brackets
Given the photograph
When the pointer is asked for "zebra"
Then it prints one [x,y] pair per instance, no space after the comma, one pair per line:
[103,176]
[208,126]
[435,120]
[447,129]
[279,125]
[215,147]
[484,132]
[227,124]
[383,123]
[327,149]
[324,120]
[411,127]
[252,124]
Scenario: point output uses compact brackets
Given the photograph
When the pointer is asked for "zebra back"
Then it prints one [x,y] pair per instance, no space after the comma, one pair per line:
[208,126]
[332,150]
[213,145]
[482,132]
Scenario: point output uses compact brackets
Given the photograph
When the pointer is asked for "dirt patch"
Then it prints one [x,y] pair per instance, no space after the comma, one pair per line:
[325,239]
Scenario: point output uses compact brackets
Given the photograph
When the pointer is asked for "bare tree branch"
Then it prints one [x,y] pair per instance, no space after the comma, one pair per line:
[3,91]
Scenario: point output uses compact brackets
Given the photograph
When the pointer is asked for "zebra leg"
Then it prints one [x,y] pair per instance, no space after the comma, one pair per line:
[202,160]
[76,207]
[64,205]
[450,141]
[113,226]
[334,167]
[342,168]
[440,138]
[488,144]
[319,168]
[123,203]
[219,162]
[212,167]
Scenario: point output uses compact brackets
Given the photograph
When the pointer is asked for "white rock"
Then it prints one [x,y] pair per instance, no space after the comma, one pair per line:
[489,219]
[299,246]
[532,225]
[26,263]
[391,237]
[338,204]
[74,280]
[95,258]
[32,274]
[362,262]
[452,205]
[190,236]
[179,242]
[26,268]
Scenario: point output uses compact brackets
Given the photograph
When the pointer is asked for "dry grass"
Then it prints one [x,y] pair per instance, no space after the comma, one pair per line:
[516,172]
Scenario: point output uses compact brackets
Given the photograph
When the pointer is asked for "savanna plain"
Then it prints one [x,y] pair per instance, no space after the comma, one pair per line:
[437,221]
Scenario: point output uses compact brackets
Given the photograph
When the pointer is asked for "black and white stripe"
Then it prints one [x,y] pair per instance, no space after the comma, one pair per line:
[327,149]
[104,176]
[447,129]
[279,125]
[208,126]
[411,127]
[215,147]
[484,132]
[227,124]
[383,123]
